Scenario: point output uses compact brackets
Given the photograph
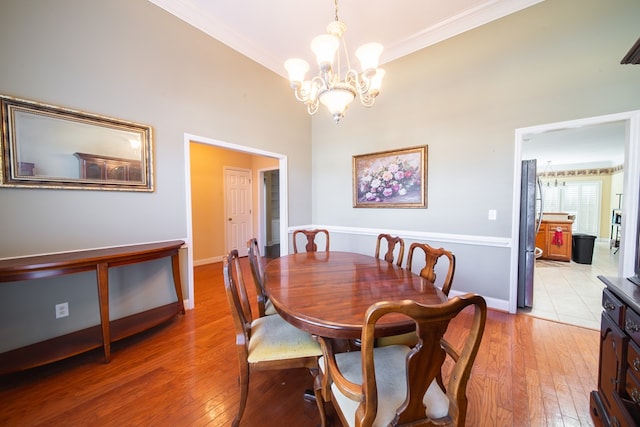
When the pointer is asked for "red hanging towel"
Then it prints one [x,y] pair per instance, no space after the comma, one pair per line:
[557,237]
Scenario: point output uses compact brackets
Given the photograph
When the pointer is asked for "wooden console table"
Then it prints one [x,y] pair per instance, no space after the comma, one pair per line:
[98,260]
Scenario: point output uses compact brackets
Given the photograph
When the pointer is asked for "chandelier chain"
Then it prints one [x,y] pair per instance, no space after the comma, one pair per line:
[335,2]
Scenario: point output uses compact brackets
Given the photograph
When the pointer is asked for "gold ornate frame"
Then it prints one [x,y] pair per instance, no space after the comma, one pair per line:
[46,146]
[391,179]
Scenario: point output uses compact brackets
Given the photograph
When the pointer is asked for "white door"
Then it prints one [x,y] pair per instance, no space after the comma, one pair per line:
[238,229]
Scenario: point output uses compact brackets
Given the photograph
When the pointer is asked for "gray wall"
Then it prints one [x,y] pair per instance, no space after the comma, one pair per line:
[129,59]
[558,60]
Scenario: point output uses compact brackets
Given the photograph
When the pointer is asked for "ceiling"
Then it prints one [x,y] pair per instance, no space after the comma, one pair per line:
[270,32]
[587,147]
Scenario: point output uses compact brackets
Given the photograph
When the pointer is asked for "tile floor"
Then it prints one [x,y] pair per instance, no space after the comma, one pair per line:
[571,293]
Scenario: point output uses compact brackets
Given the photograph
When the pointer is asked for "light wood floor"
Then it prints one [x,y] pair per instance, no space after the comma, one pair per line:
[529,372]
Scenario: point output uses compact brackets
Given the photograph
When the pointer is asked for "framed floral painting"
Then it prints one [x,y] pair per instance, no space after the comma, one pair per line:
[391,179]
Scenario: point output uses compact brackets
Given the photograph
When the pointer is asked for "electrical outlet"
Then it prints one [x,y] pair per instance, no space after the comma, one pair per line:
[493,214]
[62,310]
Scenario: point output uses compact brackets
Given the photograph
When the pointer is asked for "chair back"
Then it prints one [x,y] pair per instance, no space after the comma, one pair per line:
[256,262]
[238,300]
[311,245]
[429,381]
[431,256]
[392,242]
[424,363]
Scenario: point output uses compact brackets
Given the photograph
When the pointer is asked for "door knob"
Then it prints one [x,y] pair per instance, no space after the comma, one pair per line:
[229,219]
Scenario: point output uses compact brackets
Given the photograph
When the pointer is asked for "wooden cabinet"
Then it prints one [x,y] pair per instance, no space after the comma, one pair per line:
[554,238]
[616,402]
[108,168]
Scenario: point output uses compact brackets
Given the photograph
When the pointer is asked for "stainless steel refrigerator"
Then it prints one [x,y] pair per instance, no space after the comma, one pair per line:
[530,217]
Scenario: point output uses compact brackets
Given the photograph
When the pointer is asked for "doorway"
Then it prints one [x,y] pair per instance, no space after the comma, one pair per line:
[631,186]
[261,159]
[270,200]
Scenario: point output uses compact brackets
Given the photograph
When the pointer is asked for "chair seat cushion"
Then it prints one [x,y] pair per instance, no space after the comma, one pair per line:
[390,368]
[269,309]
[409,339]
[272,338]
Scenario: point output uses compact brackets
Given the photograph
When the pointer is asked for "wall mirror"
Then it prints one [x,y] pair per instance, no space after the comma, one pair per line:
[45,146]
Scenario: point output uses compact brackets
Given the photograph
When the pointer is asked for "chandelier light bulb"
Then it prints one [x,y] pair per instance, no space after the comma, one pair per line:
[325,48]
[376,81]
[369,56]
[297,69]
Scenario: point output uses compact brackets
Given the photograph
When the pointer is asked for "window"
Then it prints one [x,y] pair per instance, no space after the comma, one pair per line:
[579,198]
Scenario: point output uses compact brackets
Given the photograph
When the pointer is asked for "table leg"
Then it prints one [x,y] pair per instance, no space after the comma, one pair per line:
[175,267]
[103,299]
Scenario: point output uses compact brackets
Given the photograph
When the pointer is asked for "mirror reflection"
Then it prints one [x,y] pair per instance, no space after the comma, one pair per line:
[52,147]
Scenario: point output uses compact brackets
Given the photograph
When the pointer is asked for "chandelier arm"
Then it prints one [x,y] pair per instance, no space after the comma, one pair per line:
[361,83]
[299,93]
[312,107]
[323,80]
[366,99]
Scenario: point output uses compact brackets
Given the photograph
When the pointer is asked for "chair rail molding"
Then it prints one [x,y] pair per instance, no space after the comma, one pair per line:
[505,242]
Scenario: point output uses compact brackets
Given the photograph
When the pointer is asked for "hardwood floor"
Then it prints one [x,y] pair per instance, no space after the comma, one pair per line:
[529,372]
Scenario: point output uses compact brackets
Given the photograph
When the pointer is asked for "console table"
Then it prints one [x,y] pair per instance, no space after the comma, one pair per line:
[98,260]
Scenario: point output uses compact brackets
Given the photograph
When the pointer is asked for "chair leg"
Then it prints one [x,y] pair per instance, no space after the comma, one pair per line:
[317,391]
[244,393]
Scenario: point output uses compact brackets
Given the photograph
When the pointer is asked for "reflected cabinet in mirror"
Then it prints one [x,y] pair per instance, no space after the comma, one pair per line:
[45,146]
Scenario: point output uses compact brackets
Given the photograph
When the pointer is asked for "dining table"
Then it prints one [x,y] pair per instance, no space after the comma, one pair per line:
[328,293]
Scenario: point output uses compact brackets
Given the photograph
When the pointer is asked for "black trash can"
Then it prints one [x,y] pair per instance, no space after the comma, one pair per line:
[582,248]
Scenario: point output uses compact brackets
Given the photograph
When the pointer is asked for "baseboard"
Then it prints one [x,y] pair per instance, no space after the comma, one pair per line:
[205,261]
[493,303]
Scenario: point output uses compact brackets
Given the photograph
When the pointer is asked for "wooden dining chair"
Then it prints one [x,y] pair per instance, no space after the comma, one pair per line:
[311,235]
[265,306]
[431,257]
[265,343]
[392,243]
[398,385]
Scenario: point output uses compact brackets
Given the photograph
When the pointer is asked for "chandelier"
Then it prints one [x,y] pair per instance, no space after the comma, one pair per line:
[330,87]
[548,172]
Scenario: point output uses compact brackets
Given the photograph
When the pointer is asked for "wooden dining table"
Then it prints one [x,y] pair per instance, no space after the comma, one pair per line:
[328,293]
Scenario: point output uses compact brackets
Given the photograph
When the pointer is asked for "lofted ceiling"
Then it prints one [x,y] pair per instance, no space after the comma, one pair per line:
[270,32]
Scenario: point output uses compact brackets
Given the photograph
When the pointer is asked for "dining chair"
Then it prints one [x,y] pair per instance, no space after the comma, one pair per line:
[265,343]
[431,257]
[311,235]
[265,306]
[392,242]
[399,385]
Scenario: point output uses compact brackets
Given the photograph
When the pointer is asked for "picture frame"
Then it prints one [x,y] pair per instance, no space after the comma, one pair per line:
[47,146]
[391,179]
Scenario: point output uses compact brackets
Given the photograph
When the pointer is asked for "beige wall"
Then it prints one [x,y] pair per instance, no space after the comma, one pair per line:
[207,196]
